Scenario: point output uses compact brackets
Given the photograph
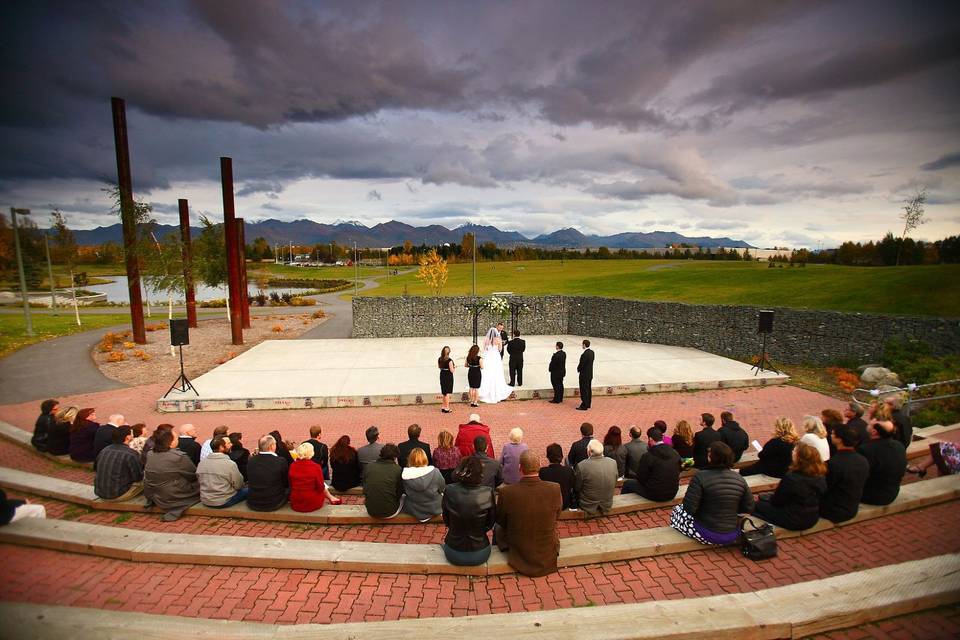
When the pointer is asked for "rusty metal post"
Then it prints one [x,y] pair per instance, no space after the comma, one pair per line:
[187,249]
[244,293]
[233,253]
[125,184]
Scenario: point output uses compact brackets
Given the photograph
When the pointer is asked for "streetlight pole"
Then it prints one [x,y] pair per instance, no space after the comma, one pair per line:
[356,271]
[473,253]
[23,280]
[53,293]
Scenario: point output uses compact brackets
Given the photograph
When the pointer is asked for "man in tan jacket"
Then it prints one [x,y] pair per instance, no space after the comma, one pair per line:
[527,520]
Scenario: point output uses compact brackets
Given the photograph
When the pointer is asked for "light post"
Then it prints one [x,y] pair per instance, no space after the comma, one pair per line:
[356,271]
[23,280]
[53,293]
[473,252]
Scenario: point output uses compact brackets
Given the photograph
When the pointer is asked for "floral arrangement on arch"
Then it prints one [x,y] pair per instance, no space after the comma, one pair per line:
[497,305]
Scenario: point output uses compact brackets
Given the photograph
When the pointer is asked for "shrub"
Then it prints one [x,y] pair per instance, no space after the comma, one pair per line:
[846,379]
[105,347]
[914,362]
[129,345]
[260,299]
[286,297]
[297,301]
[116,356]
[274,297]
[319,313]
[218,303]
[277,328]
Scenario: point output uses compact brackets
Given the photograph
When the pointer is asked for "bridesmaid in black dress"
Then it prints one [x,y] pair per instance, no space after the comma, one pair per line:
[474,364]
[446,365]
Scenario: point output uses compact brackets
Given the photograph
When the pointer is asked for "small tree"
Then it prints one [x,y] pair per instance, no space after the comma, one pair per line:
[433,271]
[65,252]
[163,268]
[210,255]
[912,216]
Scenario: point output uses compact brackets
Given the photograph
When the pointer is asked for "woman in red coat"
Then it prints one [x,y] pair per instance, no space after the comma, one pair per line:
[307,489]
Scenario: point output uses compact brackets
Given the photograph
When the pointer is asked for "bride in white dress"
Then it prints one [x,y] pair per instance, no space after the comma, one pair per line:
[493,383]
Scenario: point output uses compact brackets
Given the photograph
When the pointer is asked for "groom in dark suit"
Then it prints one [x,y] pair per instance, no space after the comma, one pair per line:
[558,369]
[504,338]
[585,369]
[516,348]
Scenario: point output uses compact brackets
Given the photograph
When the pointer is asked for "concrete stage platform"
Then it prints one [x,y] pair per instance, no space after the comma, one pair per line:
[297,374]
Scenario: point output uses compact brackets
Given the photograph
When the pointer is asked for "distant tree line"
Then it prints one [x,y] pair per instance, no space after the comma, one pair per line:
[884,253]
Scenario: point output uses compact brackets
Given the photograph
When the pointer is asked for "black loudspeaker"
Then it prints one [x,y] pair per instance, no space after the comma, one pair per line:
[766,322]
[179,332]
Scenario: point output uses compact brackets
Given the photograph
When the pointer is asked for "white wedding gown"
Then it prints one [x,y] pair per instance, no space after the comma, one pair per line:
[493,381]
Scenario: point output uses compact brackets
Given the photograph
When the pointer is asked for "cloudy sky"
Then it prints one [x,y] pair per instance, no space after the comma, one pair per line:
[781,123]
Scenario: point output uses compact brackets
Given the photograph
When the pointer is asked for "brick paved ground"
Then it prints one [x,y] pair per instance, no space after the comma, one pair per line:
[298,596]
[927,625]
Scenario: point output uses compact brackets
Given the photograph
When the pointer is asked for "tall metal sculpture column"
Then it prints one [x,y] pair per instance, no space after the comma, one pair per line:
[125,185]
[233,251]
[187,249]
[244,294]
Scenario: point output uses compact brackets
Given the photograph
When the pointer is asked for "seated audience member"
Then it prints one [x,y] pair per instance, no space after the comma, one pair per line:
[714,499]
[901,419]
[206,448]
[58,439]
[119,474]
[188,443]
[853,414]
[777,454]
[82,433]
[831,419]
[321,455]
[238,453]
[613,449]
[887,458]
[815,435]
[795,505]
[423,487]
[468,513]
[413,442]
[103,438]
[703,439]
[345,465]
[268,477]
[510,456]
[560,473]
[660,424]
[44,424]
[283,451]
[578,450]
[383,484]
[139,439]
[733,435]
[682,442]
[12,510]
[308,491]
[170,478]
[369,452]
[152,441]
[446,457]
[527,520]
[847,473]
[658,472]
[492,469]
[467,434]
[595,480]
[945,455]
[635,449]
[221,483]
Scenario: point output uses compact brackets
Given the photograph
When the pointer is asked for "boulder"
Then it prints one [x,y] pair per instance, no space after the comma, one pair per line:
[874,377]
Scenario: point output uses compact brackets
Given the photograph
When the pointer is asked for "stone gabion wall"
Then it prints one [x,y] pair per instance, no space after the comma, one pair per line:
[818,337]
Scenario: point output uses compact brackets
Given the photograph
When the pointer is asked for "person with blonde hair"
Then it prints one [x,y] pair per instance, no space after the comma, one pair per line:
[58,438]
[795,505]
[423,485]
[308,491]
[510,456]
[446,456]
[815,435]
[777,454]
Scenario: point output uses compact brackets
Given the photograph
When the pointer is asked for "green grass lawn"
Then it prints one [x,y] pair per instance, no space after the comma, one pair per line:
[13,330]
[271,270]
[932,290]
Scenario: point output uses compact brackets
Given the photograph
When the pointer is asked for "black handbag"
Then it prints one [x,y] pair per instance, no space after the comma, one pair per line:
[758,544]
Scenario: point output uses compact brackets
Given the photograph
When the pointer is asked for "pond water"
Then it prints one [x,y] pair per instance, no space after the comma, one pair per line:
[117,291]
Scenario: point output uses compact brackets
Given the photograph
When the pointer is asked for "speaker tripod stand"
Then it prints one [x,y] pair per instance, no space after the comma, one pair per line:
[763,362]
[182,383]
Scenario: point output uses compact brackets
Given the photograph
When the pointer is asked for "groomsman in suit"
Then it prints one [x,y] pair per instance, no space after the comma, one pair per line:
[515,348]
[558,369]
[585,369]
[504,338]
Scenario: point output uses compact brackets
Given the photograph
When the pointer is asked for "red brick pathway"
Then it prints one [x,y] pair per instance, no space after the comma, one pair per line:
[942,623]
[300,596]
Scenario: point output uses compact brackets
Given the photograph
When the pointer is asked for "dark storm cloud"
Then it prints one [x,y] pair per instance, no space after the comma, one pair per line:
[943,162]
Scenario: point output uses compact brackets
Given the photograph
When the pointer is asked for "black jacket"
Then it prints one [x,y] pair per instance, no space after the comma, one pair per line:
[408,446]
[558,364]
[103,438]
[563,476]
[715,497]
[735,437]
[41,431]
[904,427]
[585,367]
[773,460]
[860,426]
[798,500]
[268,479]
[469,511]
[578,451]
[8,507]
[658,473]
[887,458]
[240,457]
[847,472]
[58,439]
[515,348]
[701,440]
[321,455]
[492,470]
[191,447]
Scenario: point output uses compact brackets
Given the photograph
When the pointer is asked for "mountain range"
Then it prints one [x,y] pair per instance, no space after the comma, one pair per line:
[394,233]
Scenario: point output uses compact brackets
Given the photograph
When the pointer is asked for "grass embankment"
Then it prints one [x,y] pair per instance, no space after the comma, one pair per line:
[13,333]
[932,290]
